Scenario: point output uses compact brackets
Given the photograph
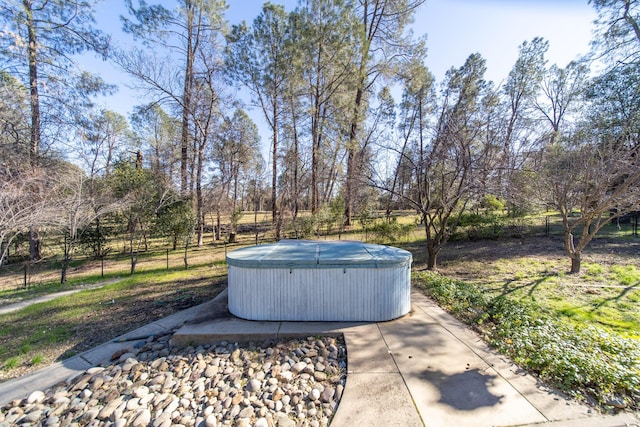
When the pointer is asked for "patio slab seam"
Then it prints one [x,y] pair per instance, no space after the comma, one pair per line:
[404,380]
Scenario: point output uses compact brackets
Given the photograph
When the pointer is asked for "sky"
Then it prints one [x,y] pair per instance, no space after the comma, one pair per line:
[454,30]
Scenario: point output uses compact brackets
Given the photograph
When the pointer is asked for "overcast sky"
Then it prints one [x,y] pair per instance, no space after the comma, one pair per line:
[454,30]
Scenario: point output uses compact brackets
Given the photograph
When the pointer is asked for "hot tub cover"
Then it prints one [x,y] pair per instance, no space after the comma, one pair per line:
[319,254]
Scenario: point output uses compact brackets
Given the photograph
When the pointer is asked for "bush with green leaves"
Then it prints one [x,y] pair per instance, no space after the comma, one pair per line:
[492,203]
[581,360]
[459,298]
[305,226]
[391,231]
[94,240]
[175,221]
[477,226]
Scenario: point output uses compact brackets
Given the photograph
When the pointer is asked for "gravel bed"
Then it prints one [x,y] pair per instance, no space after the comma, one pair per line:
[271,384]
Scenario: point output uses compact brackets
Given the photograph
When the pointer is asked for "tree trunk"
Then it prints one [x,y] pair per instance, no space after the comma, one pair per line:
[316,139]
[218,233]
[34,98]
[134,260]
[575,264]
[296,166]
[99,236]
[352,155]
[432,255]
[35,245]
[132,255]
[35,252]
[434,244]
[63,270]
[574,255]
[200,197]
[186,102]
[200,225]
[186,252]
[274,171]
[314,179]
[255,220]
[66,259]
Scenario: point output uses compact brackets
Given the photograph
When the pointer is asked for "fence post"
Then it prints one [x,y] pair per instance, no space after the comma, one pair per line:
[546,225]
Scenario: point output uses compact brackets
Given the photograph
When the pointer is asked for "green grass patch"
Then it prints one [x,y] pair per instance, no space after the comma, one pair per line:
[12,363]
[593,271]
[579,356]
[603,295]
[618,316]
[18,294]
[49,331]
[626,275]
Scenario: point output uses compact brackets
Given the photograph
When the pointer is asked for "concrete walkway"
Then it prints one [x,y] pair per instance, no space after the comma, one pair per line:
[423,369]
[48,297]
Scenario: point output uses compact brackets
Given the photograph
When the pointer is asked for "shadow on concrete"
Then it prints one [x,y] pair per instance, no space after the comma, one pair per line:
[464,391]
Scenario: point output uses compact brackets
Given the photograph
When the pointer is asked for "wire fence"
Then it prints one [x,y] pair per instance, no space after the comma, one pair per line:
[20,273]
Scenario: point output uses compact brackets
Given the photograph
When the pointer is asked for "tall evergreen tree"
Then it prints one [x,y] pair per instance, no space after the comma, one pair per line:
[383,46]
[259,58]
[38,48]
[189,34]
[43,37]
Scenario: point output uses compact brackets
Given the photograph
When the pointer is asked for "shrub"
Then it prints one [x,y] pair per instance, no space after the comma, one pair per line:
[481,226]
[305,226]
[391,231]
[492,203]
[457,297]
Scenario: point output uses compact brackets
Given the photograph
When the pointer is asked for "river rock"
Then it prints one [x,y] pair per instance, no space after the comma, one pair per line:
[255,385]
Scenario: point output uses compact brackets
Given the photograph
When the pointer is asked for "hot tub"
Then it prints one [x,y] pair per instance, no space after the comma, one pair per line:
[303,280]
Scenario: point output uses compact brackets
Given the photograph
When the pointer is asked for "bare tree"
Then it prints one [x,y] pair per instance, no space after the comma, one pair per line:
[38,47]
[157,133]
[77,204]
[592,173]
[561,91]
[103,139]
[23,204]
[235,153]
[591,181]
[448,162]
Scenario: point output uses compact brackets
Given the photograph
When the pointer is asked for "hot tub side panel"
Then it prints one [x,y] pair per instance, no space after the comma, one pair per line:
[320,294]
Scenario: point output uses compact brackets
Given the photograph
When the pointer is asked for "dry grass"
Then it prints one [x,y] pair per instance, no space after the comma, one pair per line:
[52,331]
